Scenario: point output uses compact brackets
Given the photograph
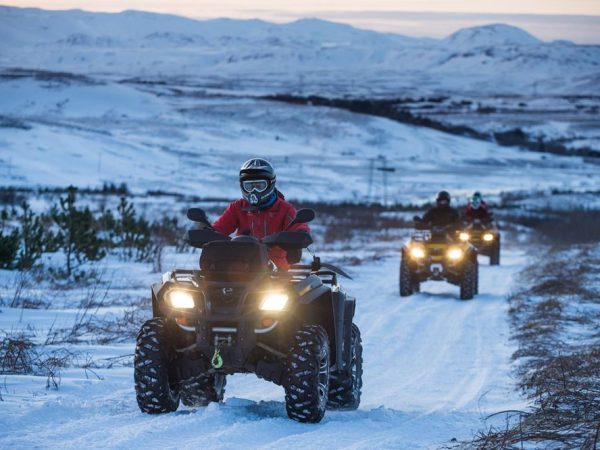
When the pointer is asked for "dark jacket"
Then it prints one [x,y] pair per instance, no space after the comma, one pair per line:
[441,216]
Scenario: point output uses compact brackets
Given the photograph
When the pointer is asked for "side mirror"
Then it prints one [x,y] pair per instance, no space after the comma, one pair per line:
[303,216]
[197,215]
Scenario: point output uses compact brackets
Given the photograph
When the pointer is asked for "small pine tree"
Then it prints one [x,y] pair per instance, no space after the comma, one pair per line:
[34,237]
[9,246]
[133,234]
[77,235]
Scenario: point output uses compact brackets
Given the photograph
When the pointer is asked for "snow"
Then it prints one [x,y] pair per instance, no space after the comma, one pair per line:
[489,36]
[165,103]
[434,366]
[288,57]
[169,139]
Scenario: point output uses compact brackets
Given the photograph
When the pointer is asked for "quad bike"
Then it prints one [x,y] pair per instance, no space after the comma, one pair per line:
[484,235]
[238,315]
[435,253]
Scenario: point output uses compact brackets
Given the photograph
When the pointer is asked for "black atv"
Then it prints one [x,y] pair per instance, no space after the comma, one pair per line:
[437,253]
[484,235]
[239,315]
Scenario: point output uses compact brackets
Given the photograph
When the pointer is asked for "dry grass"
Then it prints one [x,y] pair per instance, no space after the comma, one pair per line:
[19,355]
[559,371]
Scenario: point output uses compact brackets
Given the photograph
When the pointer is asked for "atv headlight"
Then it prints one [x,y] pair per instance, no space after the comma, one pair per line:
[455,254]
[180,299]
[488,237]
[275,301]
[464,236]
[417,252]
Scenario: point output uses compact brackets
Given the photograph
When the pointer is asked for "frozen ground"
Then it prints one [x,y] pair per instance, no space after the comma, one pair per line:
[187,140]
[434,368]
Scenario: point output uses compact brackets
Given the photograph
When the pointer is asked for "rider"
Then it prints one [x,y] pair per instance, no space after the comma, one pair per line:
[477,209]
[261,211]
[442,214]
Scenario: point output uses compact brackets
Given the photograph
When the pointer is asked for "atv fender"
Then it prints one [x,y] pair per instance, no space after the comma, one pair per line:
[310,289]
[343,312]
[155,295]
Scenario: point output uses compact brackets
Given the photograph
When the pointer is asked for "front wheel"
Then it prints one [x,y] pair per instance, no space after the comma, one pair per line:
[307,375]
[345,386]
[495,256]
[407,284]
[155,392]
[469,282]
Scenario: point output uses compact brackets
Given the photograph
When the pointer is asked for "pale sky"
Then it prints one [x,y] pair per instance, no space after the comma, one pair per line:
[577,20]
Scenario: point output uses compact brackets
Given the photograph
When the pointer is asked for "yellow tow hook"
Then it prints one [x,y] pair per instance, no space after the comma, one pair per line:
[217,359]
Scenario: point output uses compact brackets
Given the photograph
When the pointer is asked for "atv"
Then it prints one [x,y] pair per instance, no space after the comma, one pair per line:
[484,235]
[436,253]
[236,314]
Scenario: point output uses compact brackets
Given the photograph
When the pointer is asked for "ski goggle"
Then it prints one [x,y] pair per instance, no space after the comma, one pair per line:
[255,185]
[476,201]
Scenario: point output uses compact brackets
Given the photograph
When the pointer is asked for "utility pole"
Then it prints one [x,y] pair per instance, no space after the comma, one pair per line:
[371,168]
[384,169]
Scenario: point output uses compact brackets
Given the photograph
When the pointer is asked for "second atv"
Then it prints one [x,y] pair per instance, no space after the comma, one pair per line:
[484,235]
[437,254]
[236,314]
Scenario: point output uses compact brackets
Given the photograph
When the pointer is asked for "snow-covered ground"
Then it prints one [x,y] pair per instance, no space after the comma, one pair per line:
[186,140]
[434,368]
[168,104]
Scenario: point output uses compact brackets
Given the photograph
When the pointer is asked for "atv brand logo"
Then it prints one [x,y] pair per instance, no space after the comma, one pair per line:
[227,291]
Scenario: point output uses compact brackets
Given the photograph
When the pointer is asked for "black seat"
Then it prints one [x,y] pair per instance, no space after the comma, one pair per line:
[236,258]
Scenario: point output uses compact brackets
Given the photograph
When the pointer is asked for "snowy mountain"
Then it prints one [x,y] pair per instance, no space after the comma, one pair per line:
[490,36]
[287,57]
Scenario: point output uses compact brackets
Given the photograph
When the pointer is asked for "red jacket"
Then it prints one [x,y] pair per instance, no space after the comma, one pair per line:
[481,213]
[241,217]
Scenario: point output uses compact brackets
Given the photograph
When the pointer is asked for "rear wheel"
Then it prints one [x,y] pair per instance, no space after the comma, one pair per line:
[202,390]
[406,278]
[155,391]
[468,283]
[345,386]
[307,383]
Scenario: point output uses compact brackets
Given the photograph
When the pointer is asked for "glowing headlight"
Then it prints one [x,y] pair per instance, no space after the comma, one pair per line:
[464,236]
[181,299]
[274,302]
[417,252]
[455,254]
[488,237]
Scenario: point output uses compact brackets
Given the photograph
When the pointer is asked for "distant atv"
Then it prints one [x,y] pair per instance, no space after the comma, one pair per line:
[485,237]
[237,315]
[435,253]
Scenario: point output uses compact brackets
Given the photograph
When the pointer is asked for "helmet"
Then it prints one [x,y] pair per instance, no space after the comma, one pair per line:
[477,194]
[257,181]
[443,196]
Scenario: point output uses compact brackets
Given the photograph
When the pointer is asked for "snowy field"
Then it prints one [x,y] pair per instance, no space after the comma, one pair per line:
[435,367]
[184,140]
[172,105]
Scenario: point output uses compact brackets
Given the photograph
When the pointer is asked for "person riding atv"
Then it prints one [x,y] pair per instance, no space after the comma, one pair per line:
[237,314]
[441,215]
[477,209]
[261,211]
[480,229]
[434,252]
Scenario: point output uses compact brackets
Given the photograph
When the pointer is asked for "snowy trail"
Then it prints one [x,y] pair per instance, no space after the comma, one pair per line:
[434,366]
